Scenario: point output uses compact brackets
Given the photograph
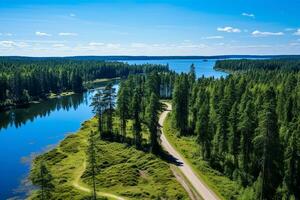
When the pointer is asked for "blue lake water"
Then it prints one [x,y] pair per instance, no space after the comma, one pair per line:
[202,67]
[27,132]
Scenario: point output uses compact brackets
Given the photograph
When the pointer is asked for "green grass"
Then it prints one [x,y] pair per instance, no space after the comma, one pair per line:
[121,169]
[101,80]
[187,147]
[54,95]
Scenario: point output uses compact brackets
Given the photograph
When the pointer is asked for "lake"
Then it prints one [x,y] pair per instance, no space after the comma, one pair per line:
[24,133]
[202,67]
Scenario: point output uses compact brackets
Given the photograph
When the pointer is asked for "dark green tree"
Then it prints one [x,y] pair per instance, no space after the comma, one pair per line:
[202,128]
[180,104]
[109,94]
[98,105]
[44,180]
[234,134]
[292,165]
[267,144]
[152,112]
[136,109]
[123,106]
[246,127]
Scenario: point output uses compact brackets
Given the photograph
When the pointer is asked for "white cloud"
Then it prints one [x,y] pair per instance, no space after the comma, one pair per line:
[251,46]
[248,15]
[258,33]
[58,45]
[113,45]
[297,32]
[191,46]
[68,34]
[229,29]
[38,33]
[11,44]
[96,44]
[7,43]
[213,37]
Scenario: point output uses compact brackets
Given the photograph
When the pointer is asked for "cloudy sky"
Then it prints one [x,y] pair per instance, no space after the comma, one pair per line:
[157,27]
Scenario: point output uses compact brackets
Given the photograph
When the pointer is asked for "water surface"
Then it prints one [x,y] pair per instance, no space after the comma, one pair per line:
[202,67]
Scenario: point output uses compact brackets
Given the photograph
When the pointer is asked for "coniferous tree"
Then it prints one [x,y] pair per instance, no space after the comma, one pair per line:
[109,94]
[253,119]
[221,136]
[245,127]
[180,104]
[44,180]
[268,145]
[42,77]
[234,135]
[152,122]
[136,109]
[192,74]
[292,165]
[77,85]
[98,105]
[202,128]
[123,106]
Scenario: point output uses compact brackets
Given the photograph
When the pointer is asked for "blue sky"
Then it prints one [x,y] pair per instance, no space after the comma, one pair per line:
[169,27]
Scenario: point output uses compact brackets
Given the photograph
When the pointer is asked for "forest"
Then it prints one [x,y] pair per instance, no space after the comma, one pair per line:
[138,99]
[246,65]
[130,124]
[246,125]
[26,80]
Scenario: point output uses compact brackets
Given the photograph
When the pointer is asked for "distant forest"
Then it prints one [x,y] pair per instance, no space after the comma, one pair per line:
[273,64]
[116,58]
[24,80]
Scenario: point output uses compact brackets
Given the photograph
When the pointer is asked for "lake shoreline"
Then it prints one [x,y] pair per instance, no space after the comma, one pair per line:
[56,95]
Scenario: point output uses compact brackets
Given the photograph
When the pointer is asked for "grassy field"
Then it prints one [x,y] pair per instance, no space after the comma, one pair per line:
[121,170]
[53,95]
[187,147]
[99,82]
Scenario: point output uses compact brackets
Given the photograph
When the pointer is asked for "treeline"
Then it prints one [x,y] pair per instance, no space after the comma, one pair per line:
[270,64]
[247,126]
[138,101]
[28,80]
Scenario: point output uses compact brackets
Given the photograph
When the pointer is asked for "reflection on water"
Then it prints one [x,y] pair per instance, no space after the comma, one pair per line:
[28,131]
[19,117]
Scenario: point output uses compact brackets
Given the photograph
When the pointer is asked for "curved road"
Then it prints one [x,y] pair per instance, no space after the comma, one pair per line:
[198,184]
